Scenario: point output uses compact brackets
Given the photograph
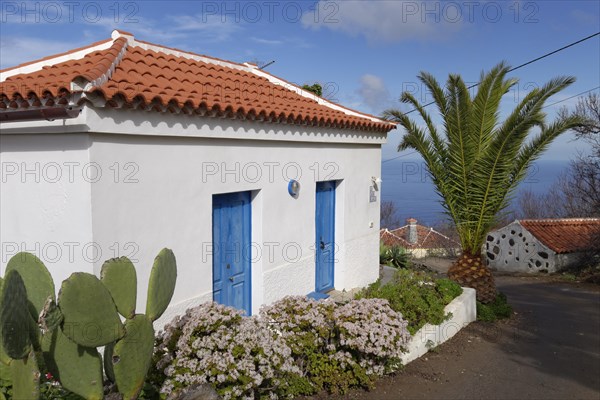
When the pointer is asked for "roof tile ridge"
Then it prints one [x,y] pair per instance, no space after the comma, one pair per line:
[37,65]
[442,235]
[48,58]
[104,70]
[426,236]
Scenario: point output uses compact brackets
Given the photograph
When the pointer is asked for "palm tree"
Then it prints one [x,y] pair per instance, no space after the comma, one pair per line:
[475,160]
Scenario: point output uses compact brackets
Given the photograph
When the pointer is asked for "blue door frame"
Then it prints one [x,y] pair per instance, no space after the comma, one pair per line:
[325,236]
[232,250]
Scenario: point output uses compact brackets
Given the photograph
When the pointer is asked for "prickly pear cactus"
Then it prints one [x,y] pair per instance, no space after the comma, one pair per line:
[15,318]
[132,355]
[4,358]
[5,375]
[25,377]
[119,277]
[90,315]
[162,284]
[50,317]
[78,368]
[38,281]
[107,360]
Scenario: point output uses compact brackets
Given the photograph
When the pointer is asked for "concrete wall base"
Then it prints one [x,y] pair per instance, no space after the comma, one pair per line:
[464,311]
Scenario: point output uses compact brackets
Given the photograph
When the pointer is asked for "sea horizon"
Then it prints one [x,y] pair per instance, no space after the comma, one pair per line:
[407,184]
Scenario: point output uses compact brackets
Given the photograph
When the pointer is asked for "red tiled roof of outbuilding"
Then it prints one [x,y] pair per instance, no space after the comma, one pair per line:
[567,235]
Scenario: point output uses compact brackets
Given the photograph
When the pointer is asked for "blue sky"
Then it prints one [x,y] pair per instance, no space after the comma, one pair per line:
[363,53]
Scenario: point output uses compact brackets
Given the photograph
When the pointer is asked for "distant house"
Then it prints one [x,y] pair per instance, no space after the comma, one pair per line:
[123,147]
[421,241]
[544,245]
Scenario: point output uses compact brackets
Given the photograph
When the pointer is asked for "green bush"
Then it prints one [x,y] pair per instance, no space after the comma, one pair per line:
[448,289]
[417,296]
[384,254]
[498,309]
[393,256]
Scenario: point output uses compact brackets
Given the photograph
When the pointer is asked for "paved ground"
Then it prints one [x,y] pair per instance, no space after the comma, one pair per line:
[549,350]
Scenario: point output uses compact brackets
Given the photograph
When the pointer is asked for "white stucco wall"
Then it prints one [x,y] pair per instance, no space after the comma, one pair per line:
[158,173]
[514,249]
[45,201]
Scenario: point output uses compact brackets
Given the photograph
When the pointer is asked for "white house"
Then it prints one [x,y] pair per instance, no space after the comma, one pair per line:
[124,147]
[542,245]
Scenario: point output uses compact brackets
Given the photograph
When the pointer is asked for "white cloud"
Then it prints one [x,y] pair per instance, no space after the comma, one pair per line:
[374,93]
[387,20]
[266,41]
[209,27]
[583,17]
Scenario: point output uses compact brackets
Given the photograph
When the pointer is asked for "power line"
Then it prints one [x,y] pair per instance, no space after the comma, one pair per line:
[402,155]
[555,51]
[526,63]
[569,98]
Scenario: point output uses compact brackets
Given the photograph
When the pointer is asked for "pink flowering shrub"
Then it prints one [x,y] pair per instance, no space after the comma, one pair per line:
[373,333]
[296,346]
[339,346]
[240,357]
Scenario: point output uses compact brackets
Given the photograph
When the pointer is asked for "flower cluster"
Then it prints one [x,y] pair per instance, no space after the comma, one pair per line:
[294,346]
[373,332]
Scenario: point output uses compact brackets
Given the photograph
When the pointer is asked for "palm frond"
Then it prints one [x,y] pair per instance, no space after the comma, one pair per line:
[478,161]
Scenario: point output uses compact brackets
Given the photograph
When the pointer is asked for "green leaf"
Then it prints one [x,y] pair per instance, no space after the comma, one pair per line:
[15,318]
[162,284]
[132,355]
[36,277]
[78,368]
[25,378]
[119,277]
[90,315]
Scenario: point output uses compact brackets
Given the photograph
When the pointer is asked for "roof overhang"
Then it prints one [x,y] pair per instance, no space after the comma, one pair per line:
[39,114]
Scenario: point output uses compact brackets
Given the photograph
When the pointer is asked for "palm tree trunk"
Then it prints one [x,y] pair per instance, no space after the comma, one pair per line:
[470,271]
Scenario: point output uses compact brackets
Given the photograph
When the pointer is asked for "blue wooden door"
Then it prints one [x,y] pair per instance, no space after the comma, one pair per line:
[325,235]
[232,250]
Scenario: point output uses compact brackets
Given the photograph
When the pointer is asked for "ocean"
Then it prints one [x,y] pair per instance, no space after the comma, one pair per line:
[407,184]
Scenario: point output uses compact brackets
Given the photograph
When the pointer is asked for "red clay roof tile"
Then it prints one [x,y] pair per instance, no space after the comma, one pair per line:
[567,235]
[129,70]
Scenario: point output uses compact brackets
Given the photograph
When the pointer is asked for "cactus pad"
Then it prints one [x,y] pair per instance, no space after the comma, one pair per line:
[119,277]
[15,318]
[78,368]
[50,317]
[162,284]
[90,315]
[5,375]
[132,356]
[4,358]
[25,377]
[107,360]
[37,279]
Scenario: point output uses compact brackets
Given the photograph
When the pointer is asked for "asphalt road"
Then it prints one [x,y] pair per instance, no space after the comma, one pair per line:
[549,350]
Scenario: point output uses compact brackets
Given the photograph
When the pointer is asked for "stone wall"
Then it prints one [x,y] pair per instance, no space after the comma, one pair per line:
[514,249]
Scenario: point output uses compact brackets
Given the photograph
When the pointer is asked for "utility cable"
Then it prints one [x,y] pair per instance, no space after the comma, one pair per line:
[526,63]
